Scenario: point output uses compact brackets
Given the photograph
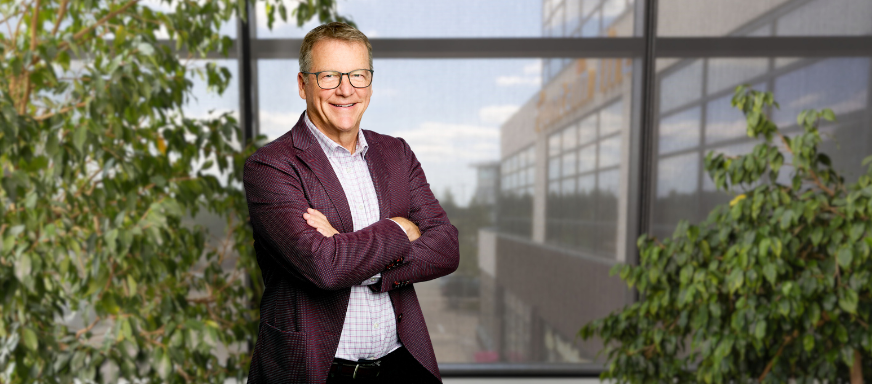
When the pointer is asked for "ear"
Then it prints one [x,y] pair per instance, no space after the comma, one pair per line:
[301,85]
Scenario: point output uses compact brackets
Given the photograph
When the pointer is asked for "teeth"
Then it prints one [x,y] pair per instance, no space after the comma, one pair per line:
[346,105]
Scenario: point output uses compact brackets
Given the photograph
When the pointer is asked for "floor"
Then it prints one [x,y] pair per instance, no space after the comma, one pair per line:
[520,381]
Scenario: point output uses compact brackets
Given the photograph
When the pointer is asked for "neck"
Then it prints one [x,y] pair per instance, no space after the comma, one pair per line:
[347,139]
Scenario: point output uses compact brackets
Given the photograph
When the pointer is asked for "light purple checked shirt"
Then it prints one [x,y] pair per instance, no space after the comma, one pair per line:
[370,329]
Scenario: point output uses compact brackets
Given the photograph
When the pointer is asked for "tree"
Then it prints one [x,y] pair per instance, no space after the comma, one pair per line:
[773,287]
[101,172]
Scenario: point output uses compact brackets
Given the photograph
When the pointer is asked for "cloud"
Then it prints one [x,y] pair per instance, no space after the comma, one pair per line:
[507,81]
[613,9]
[440,142]
[532,76]
[497,114]
[809,99]
[275,124]
[533,68]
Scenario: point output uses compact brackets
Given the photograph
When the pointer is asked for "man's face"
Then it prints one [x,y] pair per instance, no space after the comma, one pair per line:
[339,110]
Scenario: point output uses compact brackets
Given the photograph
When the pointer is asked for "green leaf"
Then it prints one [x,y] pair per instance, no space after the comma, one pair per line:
[131,284]
[763,247]
[79,137]
[848,300]
[770,273]
[857,231]
[736,279]
[23,267]
[30,340]
[841,333]
[786,219]
[817,235]
[164,366]
[828,114]
[845,256]
[760,329]
[808,342]
[784,307]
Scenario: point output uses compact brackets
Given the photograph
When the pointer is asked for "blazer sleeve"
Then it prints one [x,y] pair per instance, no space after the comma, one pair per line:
[276,203]
[437,252]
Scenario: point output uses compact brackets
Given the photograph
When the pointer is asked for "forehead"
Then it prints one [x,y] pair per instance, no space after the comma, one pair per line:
[340,55]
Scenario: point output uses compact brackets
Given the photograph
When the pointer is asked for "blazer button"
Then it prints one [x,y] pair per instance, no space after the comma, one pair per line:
[400,317]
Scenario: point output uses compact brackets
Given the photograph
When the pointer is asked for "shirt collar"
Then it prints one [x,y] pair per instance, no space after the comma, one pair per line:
[332,148]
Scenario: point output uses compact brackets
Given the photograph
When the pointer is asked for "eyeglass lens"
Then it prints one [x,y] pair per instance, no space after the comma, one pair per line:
[360,78]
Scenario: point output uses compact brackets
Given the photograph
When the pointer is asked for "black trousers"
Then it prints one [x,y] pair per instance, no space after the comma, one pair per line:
[398,367]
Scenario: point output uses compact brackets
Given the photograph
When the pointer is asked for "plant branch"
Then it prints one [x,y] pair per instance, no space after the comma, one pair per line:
[34,28]
[60,111]
[188,378]
[20,21]
[100,22]
[9,16]
[62,10]
[814,177]
[768,368]
[82,331]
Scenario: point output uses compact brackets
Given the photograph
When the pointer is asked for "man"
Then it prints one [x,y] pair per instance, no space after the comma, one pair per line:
[344,222]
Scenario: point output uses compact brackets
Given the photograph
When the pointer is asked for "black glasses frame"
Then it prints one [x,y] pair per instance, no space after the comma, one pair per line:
[348,74]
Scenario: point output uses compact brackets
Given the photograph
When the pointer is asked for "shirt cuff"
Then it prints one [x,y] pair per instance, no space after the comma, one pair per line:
[401,226]
[372,280]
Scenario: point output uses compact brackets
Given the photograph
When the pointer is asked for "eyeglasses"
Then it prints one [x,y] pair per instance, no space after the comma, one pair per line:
[359,78]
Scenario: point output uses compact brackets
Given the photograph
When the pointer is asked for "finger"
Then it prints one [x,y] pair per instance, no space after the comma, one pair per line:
[317,213]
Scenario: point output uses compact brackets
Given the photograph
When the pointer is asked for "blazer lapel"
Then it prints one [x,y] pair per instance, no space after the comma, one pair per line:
[312,155]
[378,171]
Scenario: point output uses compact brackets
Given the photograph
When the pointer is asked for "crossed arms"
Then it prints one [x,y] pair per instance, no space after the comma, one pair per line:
[317,253]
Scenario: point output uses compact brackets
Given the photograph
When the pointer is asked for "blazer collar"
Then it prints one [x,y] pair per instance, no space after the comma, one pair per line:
[313,156]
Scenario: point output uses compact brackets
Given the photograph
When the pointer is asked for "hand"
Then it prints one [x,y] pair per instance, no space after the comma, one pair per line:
[411,229]
[318,221]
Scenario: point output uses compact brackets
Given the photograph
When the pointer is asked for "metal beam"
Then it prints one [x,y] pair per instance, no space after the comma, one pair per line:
[620,47]
[506,370]
[794,46]
[472,48]
[243,52]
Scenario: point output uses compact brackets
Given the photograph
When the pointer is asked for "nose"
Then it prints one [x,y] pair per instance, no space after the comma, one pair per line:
[345,88]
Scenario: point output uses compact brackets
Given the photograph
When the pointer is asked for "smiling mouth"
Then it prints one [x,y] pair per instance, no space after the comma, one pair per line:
[343,105]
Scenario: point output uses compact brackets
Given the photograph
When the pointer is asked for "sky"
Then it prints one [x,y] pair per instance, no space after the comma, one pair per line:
[448,110]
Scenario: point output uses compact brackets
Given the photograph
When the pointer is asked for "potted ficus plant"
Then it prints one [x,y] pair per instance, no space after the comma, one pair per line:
[775,286]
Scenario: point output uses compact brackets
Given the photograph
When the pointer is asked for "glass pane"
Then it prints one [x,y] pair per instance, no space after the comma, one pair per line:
[677,180]
[587,129]
[554,147]
[755,17]
[680,85]
[679,131]
[723,122]
[610,152]
[569,138]
[726,73]
[568,164]
[460,18]
[827,18]
[611,118]
[462,126]
[587,158]
[841,84]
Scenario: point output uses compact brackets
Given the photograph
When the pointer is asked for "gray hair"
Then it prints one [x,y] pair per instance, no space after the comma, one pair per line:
[332,31]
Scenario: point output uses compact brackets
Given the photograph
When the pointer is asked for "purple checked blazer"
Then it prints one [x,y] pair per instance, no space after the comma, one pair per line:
[308,277]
